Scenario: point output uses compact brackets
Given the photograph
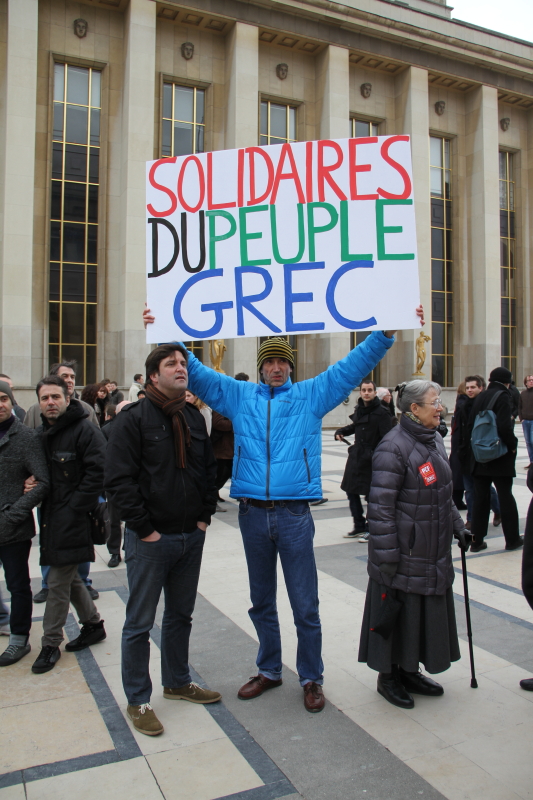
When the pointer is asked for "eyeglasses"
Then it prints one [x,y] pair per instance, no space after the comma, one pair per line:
[437,402]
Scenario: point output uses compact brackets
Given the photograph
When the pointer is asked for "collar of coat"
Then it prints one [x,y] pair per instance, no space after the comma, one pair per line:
[419,432]
[362,409]
[268,391]
[74,412]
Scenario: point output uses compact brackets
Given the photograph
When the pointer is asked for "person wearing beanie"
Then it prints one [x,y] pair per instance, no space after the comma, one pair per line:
[499,471]
[21,455]
[276,473]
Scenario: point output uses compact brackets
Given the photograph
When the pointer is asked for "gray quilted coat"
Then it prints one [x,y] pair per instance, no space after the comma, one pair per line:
[21,455]
[412,519]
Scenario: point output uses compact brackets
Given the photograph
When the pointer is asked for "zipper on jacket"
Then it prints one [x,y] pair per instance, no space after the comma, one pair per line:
[268,445]
[238,462]
[412,540]
[307,466]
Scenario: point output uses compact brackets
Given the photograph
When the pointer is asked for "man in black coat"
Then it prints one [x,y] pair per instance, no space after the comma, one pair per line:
[499,471]
[21,455]
[371,421]
[160,475]
[75,451]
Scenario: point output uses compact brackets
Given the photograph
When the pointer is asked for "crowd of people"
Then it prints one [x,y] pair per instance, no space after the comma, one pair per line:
[158,460]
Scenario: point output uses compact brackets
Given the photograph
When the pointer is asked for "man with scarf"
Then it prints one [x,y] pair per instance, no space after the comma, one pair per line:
[370,422]
[160,476]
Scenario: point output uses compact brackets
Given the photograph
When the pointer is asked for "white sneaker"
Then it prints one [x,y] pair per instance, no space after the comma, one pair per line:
[5,630]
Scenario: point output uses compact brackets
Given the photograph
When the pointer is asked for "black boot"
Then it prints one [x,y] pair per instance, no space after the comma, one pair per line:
[91,633]
[46,660]
[392,690]
[417,683]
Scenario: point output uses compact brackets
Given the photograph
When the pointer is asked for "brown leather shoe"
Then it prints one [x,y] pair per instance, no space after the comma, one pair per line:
[314,699]
[256,686]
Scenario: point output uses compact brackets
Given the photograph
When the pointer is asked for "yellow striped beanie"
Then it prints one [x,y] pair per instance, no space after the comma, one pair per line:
[276,347]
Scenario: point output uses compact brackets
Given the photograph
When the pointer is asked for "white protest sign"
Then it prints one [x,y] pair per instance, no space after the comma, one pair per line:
[293,238]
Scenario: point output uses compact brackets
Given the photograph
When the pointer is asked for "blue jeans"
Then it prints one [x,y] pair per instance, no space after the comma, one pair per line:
[171,565]
[289,530]
[468,483]
[527,427]
[83,572]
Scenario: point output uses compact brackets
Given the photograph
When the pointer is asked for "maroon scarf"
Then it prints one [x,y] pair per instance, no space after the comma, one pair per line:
[173,408]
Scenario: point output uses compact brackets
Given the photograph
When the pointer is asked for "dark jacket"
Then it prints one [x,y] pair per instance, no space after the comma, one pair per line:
[222,437]
[115,397]
[75,452]
[369,426]
[391,409]
[515,400]
[21,455]
[412,524]
[525,404]
[141,477]
[461,422]
[107,427]
[455,441]
[503,467]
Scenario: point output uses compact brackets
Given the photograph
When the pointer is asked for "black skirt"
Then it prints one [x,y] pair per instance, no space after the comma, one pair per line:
[425,632]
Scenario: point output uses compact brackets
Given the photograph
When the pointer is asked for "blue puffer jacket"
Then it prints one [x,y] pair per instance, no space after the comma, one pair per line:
[278,431]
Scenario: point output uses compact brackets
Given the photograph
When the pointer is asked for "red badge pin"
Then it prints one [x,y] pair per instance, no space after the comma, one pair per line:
[428,473]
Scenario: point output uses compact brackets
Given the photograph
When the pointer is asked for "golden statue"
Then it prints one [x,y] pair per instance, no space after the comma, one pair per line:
[217,348]
[420,345]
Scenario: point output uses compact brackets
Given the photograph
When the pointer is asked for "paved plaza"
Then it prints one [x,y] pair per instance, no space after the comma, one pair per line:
[64,735]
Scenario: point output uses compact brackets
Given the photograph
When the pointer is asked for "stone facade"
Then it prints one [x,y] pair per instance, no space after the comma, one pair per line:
[413,56]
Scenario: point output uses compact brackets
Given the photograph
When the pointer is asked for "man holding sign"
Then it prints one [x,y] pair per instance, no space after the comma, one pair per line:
[300,237]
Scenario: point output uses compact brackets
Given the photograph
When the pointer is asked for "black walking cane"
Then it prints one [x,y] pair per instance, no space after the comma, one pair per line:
[463,546]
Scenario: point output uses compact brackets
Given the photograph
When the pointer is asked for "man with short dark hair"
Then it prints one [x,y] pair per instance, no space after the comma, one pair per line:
[66,370]
[135,387]
[75,451]
[371,421]
[113,394]
[160,476]
[21,454]
[499,471]
[242,376]
[474,385]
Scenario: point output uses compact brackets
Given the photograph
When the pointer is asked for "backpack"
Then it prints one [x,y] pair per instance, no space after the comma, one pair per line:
[486,444]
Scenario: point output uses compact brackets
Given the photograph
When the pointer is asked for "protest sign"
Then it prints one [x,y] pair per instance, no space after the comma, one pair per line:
[302,237]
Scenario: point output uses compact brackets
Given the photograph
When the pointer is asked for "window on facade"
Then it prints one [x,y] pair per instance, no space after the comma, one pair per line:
[74,218]
[278,123]
[360,128]
[183,123]
[196,348]
[507,262]
[293,341]
[441,261]
[355,339]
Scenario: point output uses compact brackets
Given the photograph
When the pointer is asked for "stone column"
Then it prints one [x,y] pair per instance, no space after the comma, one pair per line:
[137,146]
[412,118]
[17,148]
[317,351]
[482,314]
[242,130]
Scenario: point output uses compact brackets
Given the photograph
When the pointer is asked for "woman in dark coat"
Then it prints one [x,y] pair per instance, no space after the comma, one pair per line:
[412,521]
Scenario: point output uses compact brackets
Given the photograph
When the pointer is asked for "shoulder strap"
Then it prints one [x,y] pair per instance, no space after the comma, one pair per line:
[493,400]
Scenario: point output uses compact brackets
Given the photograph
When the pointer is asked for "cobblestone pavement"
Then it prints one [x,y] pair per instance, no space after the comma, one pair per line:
[64,734]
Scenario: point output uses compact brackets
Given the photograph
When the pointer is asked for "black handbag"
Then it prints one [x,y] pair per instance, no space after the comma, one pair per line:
[100,525]
[388,614]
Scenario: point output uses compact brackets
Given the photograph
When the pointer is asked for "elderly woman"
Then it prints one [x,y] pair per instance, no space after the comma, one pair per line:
[409,615]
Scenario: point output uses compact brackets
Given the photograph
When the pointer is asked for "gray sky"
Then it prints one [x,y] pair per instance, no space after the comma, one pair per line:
[513,17]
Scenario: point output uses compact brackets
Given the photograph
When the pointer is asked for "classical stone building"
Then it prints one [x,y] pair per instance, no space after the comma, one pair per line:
[91,90]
